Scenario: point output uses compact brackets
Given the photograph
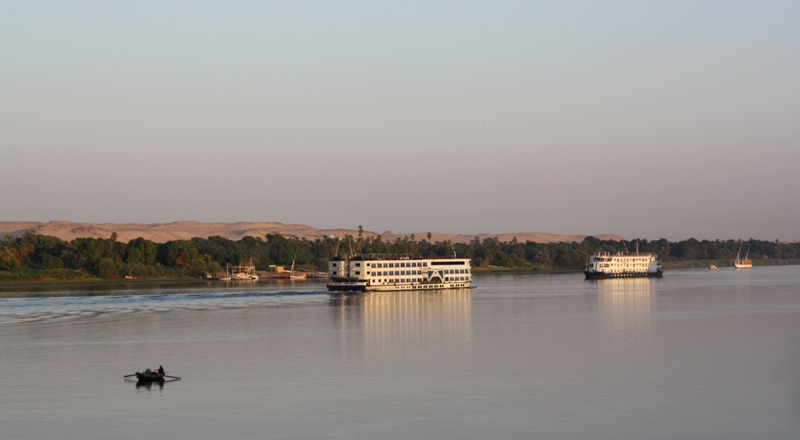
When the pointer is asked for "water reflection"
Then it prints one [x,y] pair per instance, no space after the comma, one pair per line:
[389,322]
[625,303]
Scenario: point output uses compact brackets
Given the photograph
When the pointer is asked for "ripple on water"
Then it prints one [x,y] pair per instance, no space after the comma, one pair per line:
[60,309]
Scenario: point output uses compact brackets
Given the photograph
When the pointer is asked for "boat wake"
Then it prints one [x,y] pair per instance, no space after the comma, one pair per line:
[71,308]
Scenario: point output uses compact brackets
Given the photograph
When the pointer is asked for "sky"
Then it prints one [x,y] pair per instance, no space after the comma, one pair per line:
[670,119]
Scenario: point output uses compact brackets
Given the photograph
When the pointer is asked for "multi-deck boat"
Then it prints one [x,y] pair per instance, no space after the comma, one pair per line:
[398,272]
[636,265]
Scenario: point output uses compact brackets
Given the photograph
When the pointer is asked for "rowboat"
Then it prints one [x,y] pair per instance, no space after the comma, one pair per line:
[152,377]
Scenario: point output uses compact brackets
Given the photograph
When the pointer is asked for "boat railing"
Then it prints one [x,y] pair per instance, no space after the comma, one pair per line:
[391,256]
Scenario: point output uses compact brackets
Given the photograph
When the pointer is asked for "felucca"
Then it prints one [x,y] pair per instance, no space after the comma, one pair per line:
[743,264]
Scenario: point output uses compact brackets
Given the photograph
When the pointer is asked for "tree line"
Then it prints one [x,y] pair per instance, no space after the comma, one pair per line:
[110,258]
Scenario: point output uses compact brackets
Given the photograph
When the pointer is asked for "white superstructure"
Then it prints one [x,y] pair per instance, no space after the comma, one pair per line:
[623,266]
[397,272]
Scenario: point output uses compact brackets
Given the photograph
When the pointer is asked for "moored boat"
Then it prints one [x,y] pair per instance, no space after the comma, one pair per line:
[290,275]
[227,276]
[244,272]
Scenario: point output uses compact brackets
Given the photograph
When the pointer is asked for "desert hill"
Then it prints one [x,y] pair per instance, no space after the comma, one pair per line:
[184,230]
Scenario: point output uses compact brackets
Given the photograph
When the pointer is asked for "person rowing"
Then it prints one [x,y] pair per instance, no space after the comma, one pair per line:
[151,375]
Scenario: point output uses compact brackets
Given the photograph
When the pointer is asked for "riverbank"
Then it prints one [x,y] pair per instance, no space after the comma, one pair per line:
[49,277]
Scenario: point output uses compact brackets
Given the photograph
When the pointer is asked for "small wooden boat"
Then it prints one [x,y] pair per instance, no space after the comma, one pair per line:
[712,267]
[152,377]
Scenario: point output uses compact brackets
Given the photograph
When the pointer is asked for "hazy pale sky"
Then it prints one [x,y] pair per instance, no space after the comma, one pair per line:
[645,119]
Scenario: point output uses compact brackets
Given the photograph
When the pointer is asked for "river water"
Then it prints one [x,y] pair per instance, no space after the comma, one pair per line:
[697,354]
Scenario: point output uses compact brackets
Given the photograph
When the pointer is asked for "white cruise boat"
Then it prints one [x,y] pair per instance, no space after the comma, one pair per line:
[636,265]
[398,272]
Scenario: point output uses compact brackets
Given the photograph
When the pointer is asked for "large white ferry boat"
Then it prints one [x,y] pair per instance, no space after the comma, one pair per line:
[637,265]
[398,272]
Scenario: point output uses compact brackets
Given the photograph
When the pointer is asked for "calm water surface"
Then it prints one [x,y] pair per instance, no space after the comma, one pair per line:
[697,354]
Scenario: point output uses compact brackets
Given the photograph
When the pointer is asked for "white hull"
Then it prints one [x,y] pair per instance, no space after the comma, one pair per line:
[364,287]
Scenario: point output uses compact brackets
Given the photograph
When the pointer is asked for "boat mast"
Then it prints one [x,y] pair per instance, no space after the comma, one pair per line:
[740,251]
[293,258]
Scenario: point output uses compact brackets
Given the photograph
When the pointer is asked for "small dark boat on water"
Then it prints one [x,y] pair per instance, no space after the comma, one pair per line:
[149,376]
[152,377]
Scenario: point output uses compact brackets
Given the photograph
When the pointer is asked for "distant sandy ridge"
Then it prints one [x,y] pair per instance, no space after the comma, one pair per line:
[184,230]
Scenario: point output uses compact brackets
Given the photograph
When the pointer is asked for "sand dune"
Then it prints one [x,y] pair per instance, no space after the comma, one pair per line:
[184,230]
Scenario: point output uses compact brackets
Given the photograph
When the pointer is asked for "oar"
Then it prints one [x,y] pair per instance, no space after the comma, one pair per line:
[129,375]
[172,377]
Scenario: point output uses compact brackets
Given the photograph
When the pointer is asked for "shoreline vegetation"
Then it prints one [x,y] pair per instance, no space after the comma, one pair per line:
[39,259]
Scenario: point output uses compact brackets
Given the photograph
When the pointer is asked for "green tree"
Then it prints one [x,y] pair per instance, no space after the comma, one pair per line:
[177,253]
[51,262]
[196,267]
[106,268]
[141,251]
